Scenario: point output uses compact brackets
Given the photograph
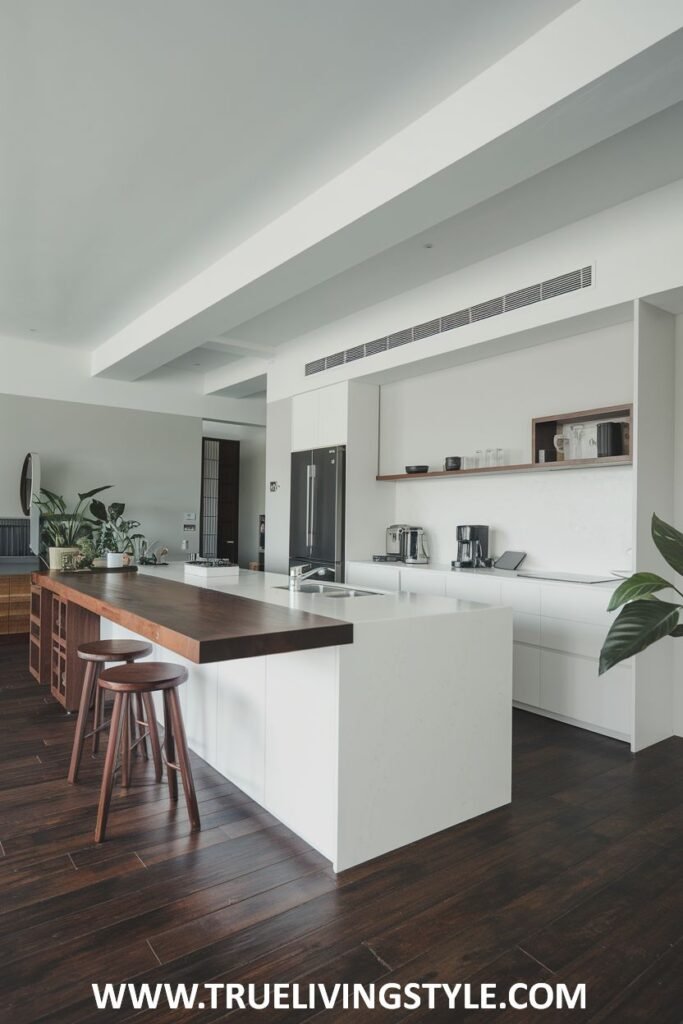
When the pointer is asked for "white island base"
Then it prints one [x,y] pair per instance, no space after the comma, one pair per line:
[363,748]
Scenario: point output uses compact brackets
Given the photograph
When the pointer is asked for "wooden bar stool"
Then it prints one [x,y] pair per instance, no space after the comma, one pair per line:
[97,653]
[127,682]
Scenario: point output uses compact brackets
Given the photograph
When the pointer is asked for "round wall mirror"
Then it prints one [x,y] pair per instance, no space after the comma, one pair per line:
[26,485]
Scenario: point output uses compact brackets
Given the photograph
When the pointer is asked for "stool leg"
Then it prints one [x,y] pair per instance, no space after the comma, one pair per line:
[125,742]
[170,748]
[184,760]
[151,720]
[133,729]
[108,773]
[142,731]
[82,721]
[98,718]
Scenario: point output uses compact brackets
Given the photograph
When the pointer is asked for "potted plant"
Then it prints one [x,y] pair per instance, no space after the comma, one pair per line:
[644,618]
[116,535]
[62,529]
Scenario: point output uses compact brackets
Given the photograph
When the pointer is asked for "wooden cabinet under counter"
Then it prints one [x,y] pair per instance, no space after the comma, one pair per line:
[15,592]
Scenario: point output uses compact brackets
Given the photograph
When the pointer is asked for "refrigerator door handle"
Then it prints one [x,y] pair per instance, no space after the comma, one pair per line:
[313,486]
[309,477]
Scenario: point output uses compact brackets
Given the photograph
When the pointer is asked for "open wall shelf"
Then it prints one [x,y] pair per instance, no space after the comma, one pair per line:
[528,467]
[543,431]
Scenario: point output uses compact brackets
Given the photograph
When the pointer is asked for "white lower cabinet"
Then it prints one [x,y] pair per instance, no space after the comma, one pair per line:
[423,581]
[472,588]
[572,689]
[378,576]
[558,631]
[526,674]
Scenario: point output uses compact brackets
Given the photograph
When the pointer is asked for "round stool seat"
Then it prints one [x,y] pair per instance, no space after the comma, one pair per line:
[114,650]
[143,677]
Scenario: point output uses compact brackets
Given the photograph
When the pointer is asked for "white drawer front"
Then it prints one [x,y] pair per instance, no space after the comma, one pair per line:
[526,628]
[473,588]
[526,674]
[420,581]
[378,576]
[572,636]
[570,686]
[579,603]
[521,595]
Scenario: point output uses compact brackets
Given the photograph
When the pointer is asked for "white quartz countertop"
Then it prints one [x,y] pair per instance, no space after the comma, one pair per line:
[502,574]
[264,586]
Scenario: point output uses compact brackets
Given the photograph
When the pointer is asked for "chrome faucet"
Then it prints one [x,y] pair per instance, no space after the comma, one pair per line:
[297,574]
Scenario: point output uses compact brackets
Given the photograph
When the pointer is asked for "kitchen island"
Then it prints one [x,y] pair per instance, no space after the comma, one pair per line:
[362,722]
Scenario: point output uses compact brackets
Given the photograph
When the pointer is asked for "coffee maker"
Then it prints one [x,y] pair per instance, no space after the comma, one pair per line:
[473,547]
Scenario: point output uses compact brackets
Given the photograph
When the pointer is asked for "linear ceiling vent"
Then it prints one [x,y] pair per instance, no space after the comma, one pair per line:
[571,282]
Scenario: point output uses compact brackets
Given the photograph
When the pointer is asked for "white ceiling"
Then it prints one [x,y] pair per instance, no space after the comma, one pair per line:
[634,161]
[141,140]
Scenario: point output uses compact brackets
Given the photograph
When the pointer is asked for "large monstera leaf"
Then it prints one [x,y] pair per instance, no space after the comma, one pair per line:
[638,625]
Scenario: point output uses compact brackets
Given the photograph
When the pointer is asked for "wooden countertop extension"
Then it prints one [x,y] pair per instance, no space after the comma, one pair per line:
[199,624]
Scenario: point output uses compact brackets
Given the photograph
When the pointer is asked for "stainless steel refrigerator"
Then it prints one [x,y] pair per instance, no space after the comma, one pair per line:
[316,523]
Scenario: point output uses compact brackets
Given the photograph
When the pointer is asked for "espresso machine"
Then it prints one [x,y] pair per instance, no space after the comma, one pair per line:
[473,547]
[405,543]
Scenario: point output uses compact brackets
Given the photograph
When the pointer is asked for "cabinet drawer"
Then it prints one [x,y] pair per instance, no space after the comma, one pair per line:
[526,674]
[473,588]
[421,581]
[572,636]
[570,686]
[521,596]
[378,577]
[526,628]
[581,604]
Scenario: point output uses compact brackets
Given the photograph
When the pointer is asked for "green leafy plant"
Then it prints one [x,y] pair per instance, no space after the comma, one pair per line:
[61,527]
[644,618]
[114,533]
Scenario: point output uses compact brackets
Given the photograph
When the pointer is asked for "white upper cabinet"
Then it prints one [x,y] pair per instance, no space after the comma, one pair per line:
[320,418]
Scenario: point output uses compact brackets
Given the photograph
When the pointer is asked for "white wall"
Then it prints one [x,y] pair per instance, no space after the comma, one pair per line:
[678,516]
[153,459]
[576,521]
[252,480]
[278,473]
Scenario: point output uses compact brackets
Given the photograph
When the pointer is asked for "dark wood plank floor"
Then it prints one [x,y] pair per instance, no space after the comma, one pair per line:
[579,880]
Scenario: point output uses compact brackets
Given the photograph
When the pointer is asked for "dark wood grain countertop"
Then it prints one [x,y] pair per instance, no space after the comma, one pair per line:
[201,625]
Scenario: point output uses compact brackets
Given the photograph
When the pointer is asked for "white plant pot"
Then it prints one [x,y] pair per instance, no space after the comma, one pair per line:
[56,557]
[99,563]
[114,559]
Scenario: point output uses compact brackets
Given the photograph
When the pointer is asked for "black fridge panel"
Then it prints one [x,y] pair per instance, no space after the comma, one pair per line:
[327,505]
[300,506]
[317,507]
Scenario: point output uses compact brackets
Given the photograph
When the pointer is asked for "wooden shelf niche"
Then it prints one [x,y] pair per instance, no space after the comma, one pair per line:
[544,429]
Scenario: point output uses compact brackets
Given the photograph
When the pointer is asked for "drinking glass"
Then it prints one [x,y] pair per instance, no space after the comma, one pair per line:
[478,458]
[500,457]
[490,457]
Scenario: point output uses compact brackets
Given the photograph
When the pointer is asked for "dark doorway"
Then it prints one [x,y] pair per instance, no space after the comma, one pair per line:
[220,498]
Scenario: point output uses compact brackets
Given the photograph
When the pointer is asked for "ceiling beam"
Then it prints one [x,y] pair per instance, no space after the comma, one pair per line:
[569,86]
[237,380]
[241,348]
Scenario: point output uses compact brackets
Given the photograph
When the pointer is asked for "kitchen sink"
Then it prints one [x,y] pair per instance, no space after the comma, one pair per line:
[311,588]
[330,590]
[354,593]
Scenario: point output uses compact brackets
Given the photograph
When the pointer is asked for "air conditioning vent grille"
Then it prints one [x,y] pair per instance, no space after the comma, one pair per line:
[527,296]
